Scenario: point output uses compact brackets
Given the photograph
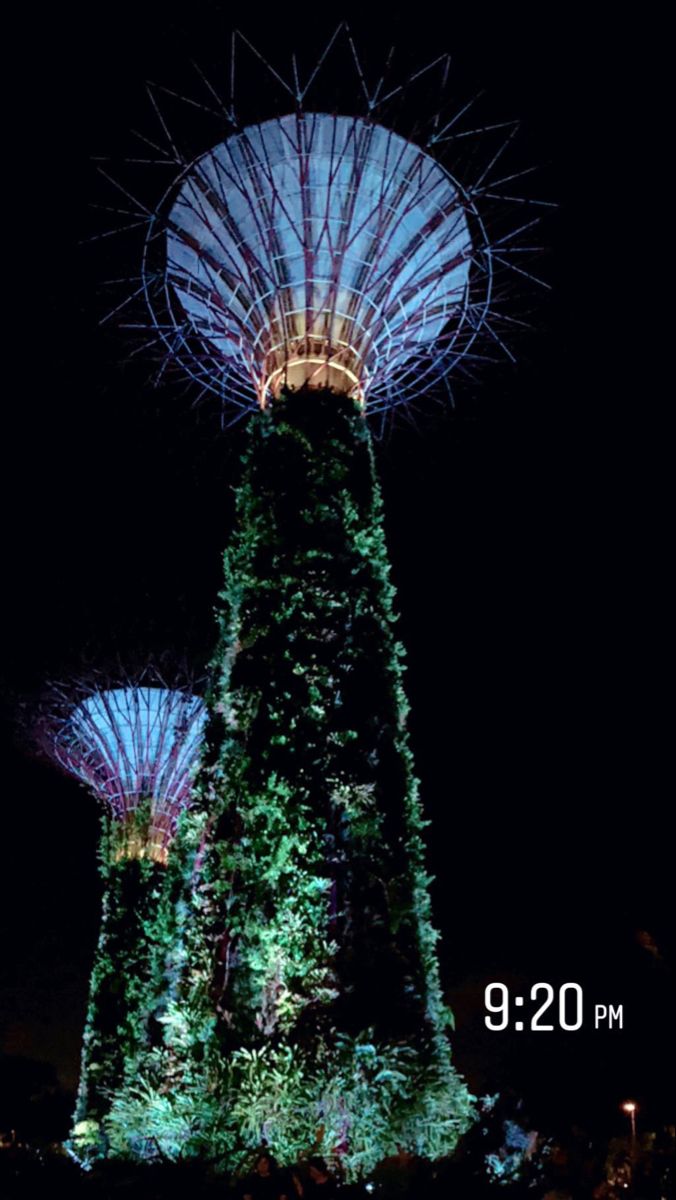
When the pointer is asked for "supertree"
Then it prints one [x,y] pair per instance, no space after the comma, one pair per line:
[133,741]
[315,270]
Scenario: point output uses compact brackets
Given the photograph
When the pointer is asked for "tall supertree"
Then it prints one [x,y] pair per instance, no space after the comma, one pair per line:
[314,270]
[133,742]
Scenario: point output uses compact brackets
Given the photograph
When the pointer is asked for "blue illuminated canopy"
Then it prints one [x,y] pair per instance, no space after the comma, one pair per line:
[320,249]
[136,744]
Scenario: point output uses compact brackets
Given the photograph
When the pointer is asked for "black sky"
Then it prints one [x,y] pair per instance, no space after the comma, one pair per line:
[531,535]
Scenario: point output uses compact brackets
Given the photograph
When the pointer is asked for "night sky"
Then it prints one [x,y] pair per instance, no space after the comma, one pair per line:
[531,537]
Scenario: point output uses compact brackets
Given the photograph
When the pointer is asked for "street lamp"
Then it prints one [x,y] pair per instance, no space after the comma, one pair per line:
[630,1107]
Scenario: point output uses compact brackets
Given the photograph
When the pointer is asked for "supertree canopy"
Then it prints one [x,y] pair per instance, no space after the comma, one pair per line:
[311,270]
[135,748]
[324,250]
[374,250]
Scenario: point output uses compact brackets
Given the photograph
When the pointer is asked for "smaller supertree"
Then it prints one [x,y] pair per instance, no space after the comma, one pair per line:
[134,743]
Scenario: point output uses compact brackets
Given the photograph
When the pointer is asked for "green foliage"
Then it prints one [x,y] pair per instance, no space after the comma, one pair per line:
[118,987]
[294,994]
[128,983]
[350,1099]
[321,826]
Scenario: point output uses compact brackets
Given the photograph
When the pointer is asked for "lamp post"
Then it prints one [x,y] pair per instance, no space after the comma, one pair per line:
[630,1107]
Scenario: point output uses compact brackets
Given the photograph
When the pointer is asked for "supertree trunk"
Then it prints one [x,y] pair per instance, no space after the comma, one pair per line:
[121,988]
[330,961]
